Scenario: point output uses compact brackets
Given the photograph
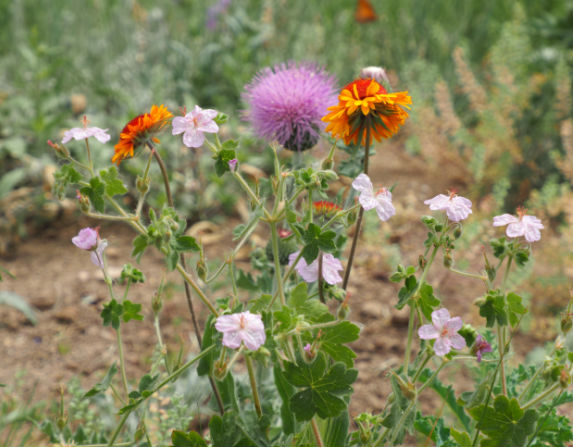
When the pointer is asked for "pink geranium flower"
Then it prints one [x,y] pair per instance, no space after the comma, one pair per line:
[457,207]
[381,200]
[194,125]
[245,327]
[524,225]
[82,133]
[309,272]
[445,330]
[88,239]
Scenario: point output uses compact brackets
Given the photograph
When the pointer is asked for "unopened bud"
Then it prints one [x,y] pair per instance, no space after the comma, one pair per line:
[142,184]
[220,370]
[343,311]
[351,218]
[564,379]
[457,232]
[201,270]
[156,303]
[566,323]
[448,260]
[60,149]
[439,227]
[407,389]
[84,202]
[422,261]
[327,164]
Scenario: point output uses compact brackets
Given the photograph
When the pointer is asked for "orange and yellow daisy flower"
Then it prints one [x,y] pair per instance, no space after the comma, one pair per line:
[365,98]
[140,131]
[326,208]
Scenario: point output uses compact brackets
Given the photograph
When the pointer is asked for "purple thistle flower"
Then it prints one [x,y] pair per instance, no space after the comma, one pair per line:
[286,103]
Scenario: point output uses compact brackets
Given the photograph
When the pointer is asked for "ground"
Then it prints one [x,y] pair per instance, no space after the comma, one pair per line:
[68,292]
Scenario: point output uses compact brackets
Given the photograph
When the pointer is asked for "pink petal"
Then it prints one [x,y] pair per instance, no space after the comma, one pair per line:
[362,183]
[232,339]
[457,341]
[439,202]
[428,332]
[440,317]
[330,268]
[453,325]
[367,200]
[515,229]
[193,138]
[209,126]
[384,206]
[532,234]
[442,346]
[503,220]
[227,323]
[179,125]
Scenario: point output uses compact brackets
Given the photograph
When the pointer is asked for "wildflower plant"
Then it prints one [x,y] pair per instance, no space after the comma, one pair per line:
[274,351]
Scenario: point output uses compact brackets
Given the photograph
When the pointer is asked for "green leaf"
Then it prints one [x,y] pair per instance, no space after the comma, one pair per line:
[433,429]
[406,291]
[286,391]
[65,176]
[111,314]
[313,310]
[113,186]
[493,309]
[310,252]
[186,243]
[132,274]
[226,432]
[461,438]
[172,259]
[146,384]
[222,161]
[333,337]
[428,301]
[95,192]
[506,424]
[449,397]
[316,240]
[140,243]
[336,433]
[206,362]
[19,303]
[191,438]
[131,311]
[104,384]
[516,308]
[322,388]
[246,281]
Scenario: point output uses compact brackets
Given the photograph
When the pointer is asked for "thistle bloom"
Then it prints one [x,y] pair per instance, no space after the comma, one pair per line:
[88,239]
[86,132]
[286,103]
[365,103]
[524,225]
[480,346]
[194,125]
[381,201]
[457,207]
[245,327]
[139,131]
[309,272]
[445,330]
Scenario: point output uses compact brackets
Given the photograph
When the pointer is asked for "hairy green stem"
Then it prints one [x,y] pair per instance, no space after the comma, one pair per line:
[541,396]
[278,276]
[253,382]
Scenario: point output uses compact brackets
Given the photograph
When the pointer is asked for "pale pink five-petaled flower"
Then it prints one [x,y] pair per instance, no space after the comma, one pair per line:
[244,327]
[309,272]
[82,133]
[524,225]
[193,126]
[457,207]
[381,200]
[88,239]
[445,330]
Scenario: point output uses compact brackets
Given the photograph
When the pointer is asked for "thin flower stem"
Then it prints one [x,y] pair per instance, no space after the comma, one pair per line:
[541,421]
[468,274]
[532,380]
[382,437]
[163,174]
[197,289]
[253,382]
[339,215]
[251,194]
[422,365]
[316,432]
[541,396]
[90,163]
[167,380]
[108,217]
[501,349]
[413,307]
[330,323]
[275,245]
[157,327]
[361,211]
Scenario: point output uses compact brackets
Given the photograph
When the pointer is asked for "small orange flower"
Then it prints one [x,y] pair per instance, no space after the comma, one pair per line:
[364,98]
[139,131]
[326,208]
